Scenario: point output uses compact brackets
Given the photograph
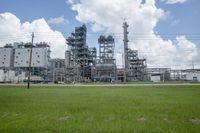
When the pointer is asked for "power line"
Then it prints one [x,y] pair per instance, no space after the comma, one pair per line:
[116,34]
[90,38]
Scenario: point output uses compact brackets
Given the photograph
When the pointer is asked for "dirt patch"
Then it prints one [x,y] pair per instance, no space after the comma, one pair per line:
[141,119]
[195,120]
[166,119]
[16,114]
[109,119]
[64,118]
[5,114]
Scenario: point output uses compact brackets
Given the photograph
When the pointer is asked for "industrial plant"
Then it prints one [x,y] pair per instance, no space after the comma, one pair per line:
[82,63]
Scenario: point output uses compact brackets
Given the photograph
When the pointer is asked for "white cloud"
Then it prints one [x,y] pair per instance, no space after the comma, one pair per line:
[13,30]
[142,18]
[185,45]
[174,1]
[70,1]
[97,27]
[58,21]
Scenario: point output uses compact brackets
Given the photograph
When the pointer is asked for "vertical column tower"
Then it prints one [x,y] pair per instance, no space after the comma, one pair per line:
[125,27]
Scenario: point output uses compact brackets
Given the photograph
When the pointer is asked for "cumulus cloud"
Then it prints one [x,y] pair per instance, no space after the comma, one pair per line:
[142,17]
[58,21]
[13,30]
[174,1]
[70,1]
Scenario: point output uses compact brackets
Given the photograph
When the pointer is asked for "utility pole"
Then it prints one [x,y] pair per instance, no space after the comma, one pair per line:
[193,65]
[30,60]
[125,26]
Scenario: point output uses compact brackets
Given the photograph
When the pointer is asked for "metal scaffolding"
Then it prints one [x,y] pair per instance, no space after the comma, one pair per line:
[137,67]
[81,63]
[79,58]
[105,69]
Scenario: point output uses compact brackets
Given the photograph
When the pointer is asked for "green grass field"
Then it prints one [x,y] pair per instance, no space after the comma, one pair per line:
[142,109]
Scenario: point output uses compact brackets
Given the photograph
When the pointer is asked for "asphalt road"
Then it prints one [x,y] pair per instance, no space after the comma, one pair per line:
[158,84]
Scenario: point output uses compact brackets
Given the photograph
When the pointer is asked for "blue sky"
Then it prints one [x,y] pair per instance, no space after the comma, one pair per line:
[182,19]
[187,14]
[29,10]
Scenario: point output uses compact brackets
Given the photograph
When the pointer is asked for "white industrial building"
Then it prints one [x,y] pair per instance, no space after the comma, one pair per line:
[39,57]
[2,78]
[15,57]
[11,76]
[185,75]
[18,55]
[6,56]
[193,75]
[158,74]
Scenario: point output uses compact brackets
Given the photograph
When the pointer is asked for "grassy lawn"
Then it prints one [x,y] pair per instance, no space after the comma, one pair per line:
[143,109]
